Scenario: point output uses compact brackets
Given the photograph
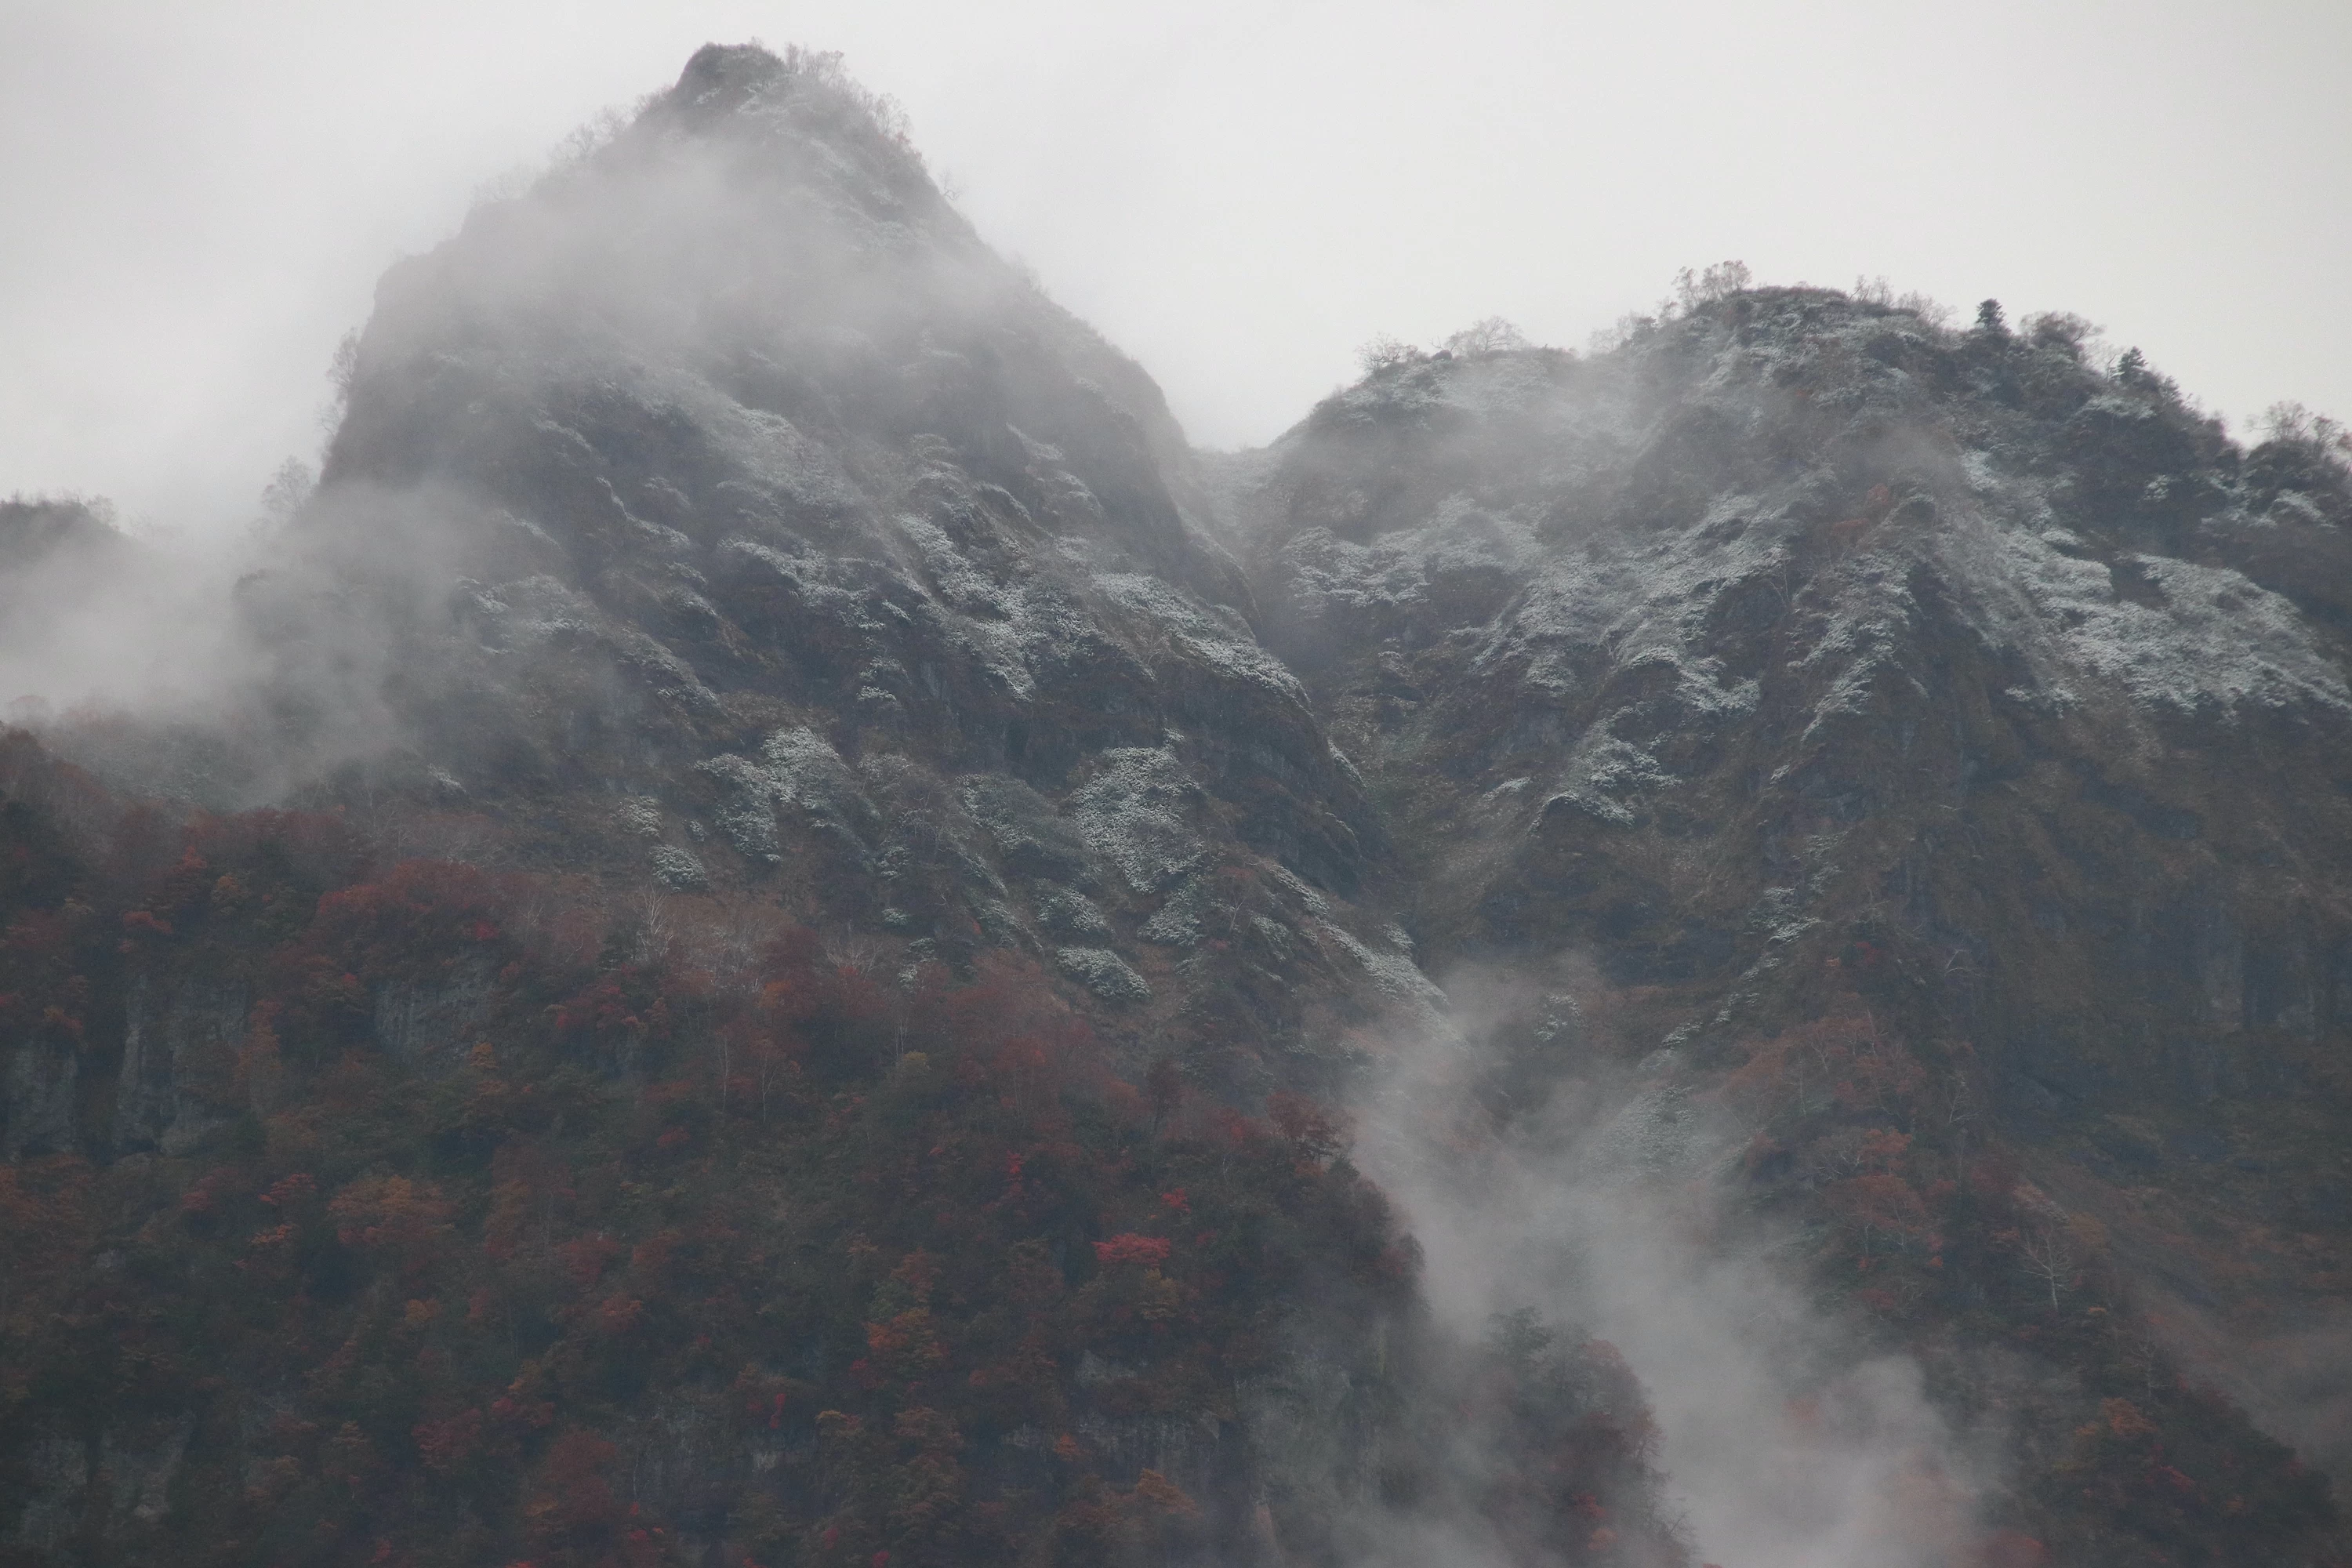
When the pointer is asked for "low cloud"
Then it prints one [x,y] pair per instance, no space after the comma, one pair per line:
[1539,1175]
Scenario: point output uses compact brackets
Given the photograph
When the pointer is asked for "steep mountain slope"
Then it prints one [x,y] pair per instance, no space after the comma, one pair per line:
[764,1038]
[770,959]
[1927,707]
[778,508]
[1790,581]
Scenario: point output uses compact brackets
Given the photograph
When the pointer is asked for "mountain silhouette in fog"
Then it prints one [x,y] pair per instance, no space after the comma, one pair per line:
[774,927]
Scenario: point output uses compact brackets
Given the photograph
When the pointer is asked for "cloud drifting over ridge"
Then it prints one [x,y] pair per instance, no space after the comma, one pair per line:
[1236,194]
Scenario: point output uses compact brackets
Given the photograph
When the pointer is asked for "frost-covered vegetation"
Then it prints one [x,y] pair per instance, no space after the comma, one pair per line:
[830,891]
[1807,668]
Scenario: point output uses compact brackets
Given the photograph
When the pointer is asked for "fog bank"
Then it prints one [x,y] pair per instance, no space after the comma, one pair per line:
[1239,195]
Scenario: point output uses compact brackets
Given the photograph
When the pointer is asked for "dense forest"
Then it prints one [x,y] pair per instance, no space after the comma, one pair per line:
[708,1226]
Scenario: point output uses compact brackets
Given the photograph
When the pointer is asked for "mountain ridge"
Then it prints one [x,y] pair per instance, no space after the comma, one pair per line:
[794,766]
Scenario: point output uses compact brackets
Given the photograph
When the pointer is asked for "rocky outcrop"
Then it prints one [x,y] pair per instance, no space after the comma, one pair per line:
[1800,643]
[180,1040]
[1797,620]
[430,1025]
[809,563]
[44,1089]
[721,524]
[114,1493]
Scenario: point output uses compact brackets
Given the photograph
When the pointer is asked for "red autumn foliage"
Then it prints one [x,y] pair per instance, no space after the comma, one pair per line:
[1149,1251]
[856,1229]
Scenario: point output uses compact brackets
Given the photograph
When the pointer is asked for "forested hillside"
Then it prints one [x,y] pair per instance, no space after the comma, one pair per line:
[796,937]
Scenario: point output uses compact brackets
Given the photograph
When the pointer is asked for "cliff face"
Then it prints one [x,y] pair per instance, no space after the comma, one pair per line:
[1797,622]
[1801,658]
[726,496]
[765,1032]
[842,877]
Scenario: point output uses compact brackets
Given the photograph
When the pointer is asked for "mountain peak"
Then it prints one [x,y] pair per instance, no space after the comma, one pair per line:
[830,866]
[740,68]
[803,94]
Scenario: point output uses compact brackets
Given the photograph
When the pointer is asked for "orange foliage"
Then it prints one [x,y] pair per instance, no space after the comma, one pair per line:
[403,1220]
[1150,1251]
[1881,1204]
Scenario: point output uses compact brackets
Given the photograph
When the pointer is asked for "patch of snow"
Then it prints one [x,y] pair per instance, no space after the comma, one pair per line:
[1136,813]
[676,869]
[2218,641]
[1178,922]
[1219,641]
[960,581]
[796,766]
[1102,972]
[1068,911]
[1396,975]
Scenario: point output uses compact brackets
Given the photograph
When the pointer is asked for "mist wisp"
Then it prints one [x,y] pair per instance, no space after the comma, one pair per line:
[1540,1178]
[103,633]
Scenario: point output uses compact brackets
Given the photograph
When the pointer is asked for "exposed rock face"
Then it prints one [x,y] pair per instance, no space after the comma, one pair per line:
[432,1023]
[43,1082]
[1798,633]
[113,1494]
[1745,629]
[175,1038]
[728,472]
[720,521]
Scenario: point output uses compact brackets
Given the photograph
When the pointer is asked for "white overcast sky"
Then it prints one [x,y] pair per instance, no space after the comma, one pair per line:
[195,199]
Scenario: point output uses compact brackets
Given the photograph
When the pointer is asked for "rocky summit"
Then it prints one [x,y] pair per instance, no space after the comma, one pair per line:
[796,936]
